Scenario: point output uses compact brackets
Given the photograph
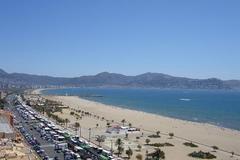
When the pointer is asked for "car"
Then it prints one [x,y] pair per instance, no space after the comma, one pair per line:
[36,147]
[45,158]
[56,158]
[40,151]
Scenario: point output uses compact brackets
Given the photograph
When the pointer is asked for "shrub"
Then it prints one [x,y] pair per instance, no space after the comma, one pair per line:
[154,136]
[161,144]
[147,141]
[202,155]
[190,144]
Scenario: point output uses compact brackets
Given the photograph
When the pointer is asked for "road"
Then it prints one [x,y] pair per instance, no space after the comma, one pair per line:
[47,146]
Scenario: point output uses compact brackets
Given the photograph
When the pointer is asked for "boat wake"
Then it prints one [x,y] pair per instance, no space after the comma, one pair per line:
[185,99]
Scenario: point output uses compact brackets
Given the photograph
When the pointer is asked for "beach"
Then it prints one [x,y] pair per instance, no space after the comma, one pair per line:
[204,135]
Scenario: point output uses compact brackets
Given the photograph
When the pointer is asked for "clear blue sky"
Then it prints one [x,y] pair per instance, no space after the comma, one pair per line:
[194,38]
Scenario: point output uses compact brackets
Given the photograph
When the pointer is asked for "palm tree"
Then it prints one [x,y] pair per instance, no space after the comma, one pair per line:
[232,153]
[100,139]
[146,154]
[139,147]
[158,132]
[119,144]
[147,141]
[171,135]
[129,152]
[126,135]
[139,157]
[76,125]
[215,148]
[130,125]
[123,121]
[66,121]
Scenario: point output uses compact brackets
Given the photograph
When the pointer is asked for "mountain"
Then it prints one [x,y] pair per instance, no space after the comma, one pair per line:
[105,79]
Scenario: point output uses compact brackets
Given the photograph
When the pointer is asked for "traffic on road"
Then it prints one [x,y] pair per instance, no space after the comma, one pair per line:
[50,141]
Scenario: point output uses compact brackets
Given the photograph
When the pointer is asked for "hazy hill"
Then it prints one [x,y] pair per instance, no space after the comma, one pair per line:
[105,79]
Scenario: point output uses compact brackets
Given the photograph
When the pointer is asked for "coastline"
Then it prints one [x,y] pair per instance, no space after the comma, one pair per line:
[39,92]
[202,133]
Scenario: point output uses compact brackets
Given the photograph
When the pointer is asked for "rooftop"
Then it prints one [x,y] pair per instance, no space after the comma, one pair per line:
[4,125]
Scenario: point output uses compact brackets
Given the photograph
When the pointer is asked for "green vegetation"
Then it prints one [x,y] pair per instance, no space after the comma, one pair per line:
[76,126]
[66,121]
[139,157]
[157,154]
[139,147]
[202,155]
[130,125]
[190,144]
[1,103]
[215,148]
[119,144]
[171,135]
[147,141]
[129,152]
[123,121]
[100,139]
[126,136]
[154,136]
[161,144]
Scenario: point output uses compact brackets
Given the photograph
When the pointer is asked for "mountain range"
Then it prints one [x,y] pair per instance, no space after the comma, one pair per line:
[105,79]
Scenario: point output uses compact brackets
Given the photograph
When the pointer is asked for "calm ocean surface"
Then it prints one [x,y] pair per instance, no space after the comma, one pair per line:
[220,108]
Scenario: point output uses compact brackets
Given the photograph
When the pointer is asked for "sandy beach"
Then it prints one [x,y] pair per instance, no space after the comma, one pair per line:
[199,133]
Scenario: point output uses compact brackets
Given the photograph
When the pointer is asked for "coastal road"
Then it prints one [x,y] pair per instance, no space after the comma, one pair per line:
[47,146]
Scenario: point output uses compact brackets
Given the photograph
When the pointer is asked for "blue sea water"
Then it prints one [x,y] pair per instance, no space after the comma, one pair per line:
[220,108]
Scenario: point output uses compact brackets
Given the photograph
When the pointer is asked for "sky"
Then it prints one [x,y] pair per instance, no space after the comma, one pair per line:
[191,38]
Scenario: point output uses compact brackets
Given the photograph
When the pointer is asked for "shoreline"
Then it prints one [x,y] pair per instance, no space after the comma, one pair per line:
[39,92]
[204,134]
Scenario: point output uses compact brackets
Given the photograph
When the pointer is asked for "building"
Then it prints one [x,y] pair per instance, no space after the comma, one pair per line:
[8,116]
[2,94]
[6,125]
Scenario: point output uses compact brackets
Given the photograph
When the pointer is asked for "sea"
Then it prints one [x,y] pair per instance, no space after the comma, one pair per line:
[217,107]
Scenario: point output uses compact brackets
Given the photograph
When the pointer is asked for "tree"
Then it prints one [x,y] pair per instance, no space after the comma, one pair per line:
[100,139]
[66,121]
[139,157]
[146,154]
[123,121]
[129,152]
[120,150]
[171,135]
[139,147]
[72,113]
[147,141]
[97,125]
[126,135]
[215,148]
[232,153]
[119,144]
[157,154]
[158,132]
[76,125]
[130,125]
